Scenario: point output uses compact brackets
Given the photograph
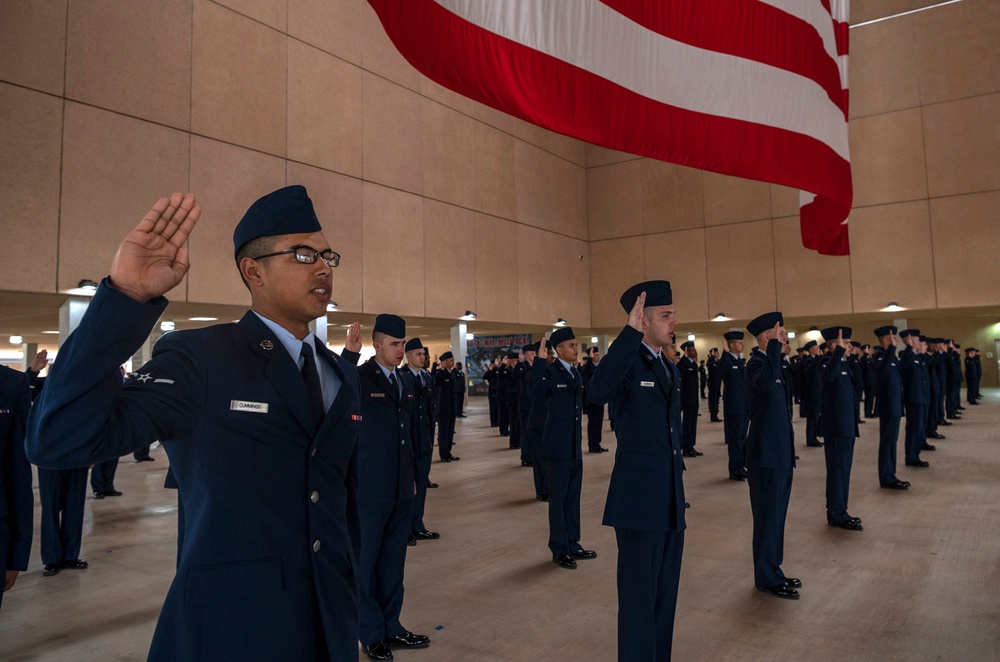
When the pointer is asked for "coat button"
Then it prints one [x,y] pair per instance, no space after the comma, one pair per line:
[400,425]
[316,546]
[402,442]
[312,453]
[675,452]
[314,497]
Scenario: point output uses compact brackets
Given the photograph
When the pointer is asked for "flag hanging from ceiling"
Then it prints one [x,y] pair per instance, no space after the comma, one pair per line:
[750,88]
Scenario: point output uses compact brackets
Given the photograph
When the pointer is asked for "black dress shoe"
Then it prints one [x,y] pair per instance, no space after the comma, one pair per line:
[693,454]
[74,564]
[564,561]
[377,651]
[862,422]
[945,423]
[584,554]
[113,493]
[737,477]
[780,591]
[98,495]
[792,582]
[411,541]
[687,505]
[898,485]
[425,535]
[454,458]
[928,447]
[715,419]
[542,497]
[936,435]
[603,449]
[409,640]
[818,444]
[50,569]
[918,463]
[960,408]
[432,485]
[528,464]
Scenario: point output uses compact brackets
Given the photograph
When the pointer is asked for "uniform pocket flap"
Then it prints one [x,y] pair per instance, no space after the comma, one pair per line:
[229,582]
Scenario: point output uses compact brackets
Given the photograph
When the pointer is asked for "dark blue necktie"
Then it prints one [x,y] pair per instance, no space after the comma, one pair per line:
[310,375]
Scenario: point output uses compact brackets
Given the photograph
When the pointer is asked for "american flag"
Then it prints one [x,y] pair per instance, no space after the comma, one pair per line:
[750,88]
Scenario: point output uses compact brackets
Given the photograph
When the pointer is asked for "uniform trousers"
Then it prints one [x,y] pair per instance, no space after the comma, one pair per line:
[62,493]
[446,434]
[4,547]
[714,395]
[839,453]
[141,454]
[565,479]
[102,476]
[916,430]
[503,413]
[689,426]
[770,489]
[385,529]
[888,435]
[524,439]
[537,465]
[812,426]
[972,390]
[421,476]
[514,425]
[649,570]
[736,439]
[493,410]
[595,426]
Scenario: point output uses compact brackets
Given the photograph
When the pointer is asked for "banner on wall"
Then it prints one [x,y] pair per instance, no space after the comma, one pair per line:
[481,352]
[744,88]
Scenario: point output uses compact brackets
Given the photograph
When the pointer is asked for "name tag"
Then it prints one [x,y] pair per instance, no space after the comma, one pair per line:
[647,383]
[842,372]
[243,405]
[735,367]
[378,395]
[777,381]
[562,385]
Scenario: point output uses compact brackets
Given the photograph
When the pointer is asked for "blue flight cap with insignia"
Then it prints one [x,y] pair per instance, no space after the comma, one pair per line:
[687,344]
[886,330]
[658,293]
[800,350]
[412,344]
[560,336]
[528,348]
[535,345]
[391,325]
[922,339]
[733,335]
[765,322]
[446,356]
[855,344]
[285,211]
[906,333]
[809,345]
[830,332]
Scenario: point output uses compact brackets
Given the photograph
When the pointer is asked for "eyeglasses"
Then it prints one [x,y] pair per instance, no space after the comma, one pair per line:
[308,255]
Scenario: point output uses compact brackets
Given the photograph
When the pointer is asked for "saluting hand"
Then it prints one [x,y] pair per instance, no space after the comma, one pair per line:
[892,339]
[635,315]
[153,258]
[353,343]
[40,361]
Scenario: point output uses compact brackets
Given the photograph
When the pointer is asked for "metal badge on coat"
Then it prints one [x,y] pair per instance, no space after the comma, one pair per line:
[266,344]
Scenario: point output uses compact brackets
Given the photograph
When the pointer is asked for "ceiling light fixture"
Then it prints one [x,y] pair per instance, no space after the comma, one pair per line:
[167,325]
[560,322]
[50,333]
[16,340]
[203,319]
[594,340]
[331,307]
[85,288]
[791,335]
[893,307]
[721,317]
[470,336]
[691,337]
[468,316]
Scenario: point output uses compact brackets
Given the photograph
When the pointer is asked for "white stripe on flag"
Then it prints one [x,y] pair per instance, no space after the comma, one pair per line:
[600,40]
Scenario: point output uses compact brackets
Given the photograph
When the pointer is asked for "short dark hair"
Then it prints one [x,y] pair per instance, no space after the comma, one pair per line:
[251,249]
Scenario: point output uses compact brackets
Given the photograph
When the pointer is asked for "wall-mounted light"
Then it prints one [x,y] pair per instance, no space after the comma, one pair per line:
[560,322]
[470,336]
[167,325]
[203,319]
[331,307]
[691,337]
[594,340]
[468,316]
[50,333]
[791,335]
[721,317]
[85,288]
[16,340]
[893,307]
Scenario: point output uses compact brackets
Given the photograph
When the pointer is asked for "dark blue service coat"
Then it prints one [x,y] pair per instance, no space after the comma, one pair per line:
[271,533]
[17,500]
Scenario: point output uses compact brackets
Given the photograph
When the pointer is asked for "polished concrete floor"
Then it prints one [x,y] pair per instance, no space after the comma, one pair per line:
[921,582]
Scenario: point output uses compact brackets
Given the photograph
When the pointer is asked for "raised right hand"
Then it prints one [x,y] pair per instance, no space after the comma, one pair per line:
[635,315]
[153,258]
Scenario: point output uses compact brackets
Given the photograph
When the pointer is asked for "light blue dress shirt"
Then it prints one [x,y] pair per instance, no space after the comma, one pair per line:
[328,380]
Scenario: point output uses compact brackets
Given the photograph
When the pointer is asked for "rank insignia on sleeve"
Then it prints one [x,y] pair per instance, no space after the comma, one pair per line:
[266,344]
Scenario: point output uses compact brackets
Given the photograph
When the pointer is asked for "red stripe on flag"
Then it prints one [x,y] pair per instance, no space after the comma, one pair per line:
[720,26]
[561,97]
[842,33]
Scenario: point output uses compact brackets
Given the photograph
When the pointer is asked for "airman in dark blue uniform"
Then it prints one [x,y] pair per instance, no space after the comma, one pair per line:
[259,420]
[460,389]
[595,413]
[560,386]
[734,403]
[420,383]
[503,393]
[688,367]
[916,396]
[770,453]
[538,411]
[889,398]
[491,377]
[714,384]
[839,427]
[645,501]
[444,387]
[522,373]
[17,501]
[812,391]
[870,375]
[972,375]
